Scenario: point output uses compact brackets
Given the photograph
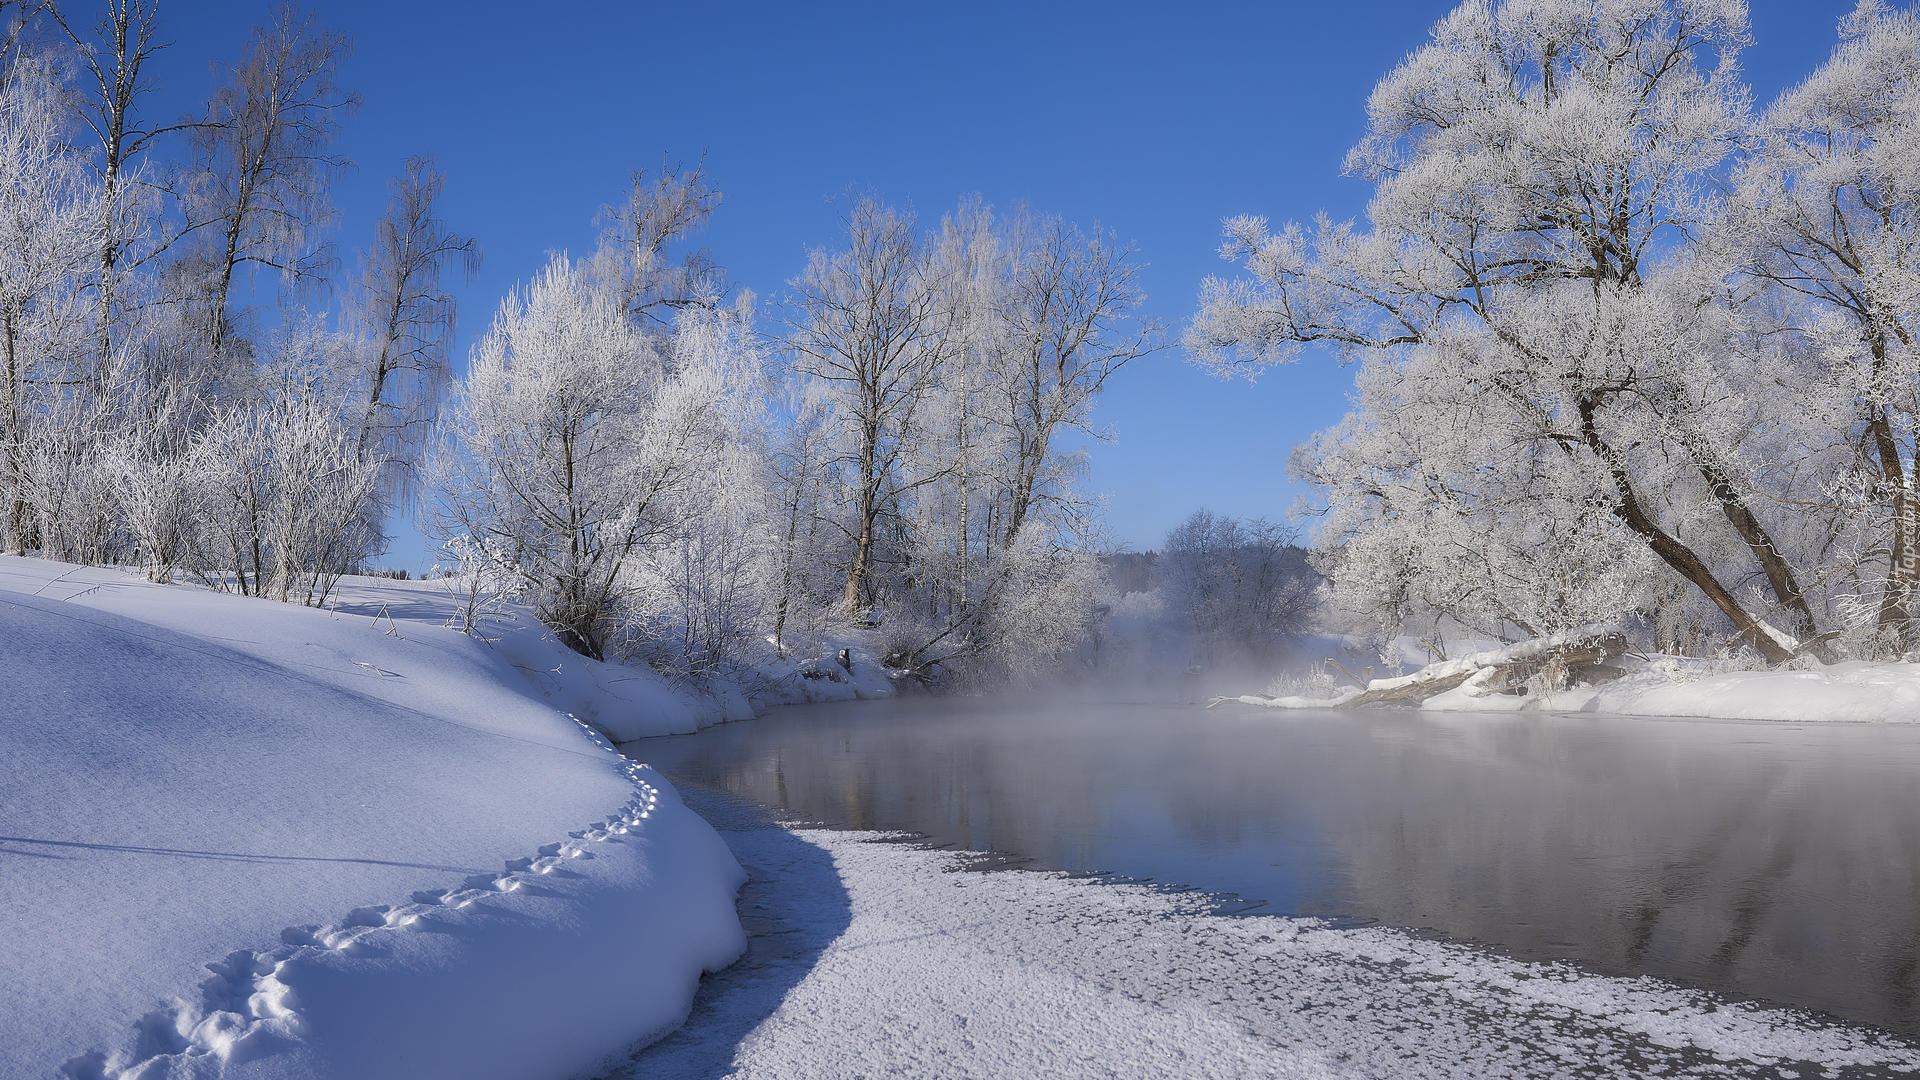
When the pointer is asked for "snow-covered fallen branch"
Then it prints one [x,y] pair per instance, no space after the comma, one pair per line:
[1580,655]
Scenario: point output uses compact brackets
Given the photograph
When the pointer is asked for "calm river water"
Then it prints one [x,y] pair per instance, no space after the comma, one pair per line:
[1776,861]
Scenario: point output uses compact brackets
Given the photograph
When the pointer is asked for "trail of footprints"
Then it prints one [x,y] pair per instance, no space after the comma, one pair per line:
[244,1006]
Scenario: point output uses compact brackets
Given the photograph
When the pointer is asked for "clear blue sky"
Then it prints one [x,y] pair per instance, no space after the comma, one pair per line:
[1156,120]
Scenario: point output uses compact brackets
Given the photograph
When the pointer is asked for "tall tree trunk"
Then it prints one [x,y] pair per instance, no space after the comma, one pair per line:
[1628,508]
[1780,576]
[1903,549]
[860,569]
[15,441]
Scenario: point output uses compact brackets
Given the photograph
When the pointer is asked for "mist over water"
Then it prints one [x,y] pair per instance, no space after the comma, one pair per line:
[1765,860]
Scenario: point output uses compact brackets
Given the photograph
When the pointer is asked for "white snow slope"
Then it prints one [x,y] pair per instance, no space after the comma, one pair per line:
[241,838]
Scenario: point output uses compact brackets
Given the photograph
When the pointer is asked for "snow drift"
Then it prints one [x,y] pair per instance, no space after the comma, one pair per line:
[248,839]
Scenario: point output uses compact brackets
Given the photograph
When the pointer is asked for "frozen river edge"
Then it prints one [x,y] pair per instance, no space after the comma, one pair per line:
[869,956]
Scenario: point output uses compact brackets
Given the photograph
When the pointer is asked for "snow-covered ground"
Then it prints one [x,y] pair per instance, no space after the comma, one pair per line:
[873,958]
[253,839]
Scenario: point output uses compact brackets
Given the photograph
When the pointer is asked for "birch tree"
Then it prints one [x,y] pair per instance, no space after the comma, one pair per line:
[264,160]
[640,239]
[403,316]
[115,52]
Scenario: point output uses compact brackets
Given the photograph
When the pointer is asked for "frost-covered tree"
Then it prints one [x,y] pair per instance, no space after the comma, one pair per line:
[49,216]
[403,318]
[278,486]
[1068,320]
[710,583]
[570,449]
[1422,520]
[639,243]
[865,335]
[610,445]
[236,495]
[1827,210]
[808,588]
[481,582]
[1540,168]
[1241,586]
[264,160]
[114,52]
[157,494]
[953,366]
[317,524]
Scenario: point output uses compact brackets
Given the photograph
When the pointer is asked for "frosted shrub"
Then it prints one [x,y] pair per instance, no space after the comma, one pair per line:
[157,498]
[480,581]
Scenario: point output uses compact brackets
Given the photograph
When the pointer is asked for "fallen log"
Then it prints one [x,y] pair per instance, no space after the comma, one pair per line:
[1540,665]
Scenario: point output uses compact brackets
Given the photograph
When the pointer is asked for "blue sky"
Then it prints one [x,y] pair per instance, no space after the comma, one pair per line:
[1156,120]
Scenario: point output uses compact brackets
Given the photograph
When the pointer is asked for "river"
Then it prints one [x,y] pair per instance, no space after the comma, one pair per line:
[1772,861]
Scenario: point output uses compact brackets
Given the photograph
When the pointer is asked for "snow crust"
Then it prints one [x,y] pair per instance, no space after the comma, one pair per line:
[244,838]
[1020,973]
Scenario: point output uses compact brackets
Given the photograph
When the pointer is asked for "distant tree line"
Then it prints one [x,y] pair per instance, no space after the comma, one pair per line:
[1220,592]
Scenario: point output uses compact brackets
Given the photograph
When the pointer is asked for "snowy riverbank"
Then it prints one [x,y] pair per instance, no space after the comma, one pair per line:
[252,839]
[871,957]
[1854,691]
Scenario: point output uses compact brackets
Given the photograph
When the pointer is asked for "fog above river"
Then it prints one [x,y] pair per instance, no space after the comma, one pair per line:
[1768,860]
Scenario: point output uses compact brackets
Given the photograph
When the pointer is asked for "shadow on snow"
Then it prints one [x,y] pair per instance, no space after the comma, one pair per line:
[793,906]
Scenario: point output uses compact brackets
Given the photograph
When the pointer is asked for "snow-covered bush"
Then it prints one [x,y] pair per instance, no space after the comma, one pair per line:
[317,525]
[479,580]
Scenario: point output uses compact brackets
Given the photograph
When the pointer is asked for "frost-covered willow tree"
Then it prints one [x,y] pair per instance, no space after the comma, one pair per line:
[1539,338]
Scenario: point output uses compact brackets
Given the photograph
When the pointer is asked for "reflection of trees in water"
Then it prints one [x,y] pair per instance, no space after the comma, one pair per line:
[1774,861]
